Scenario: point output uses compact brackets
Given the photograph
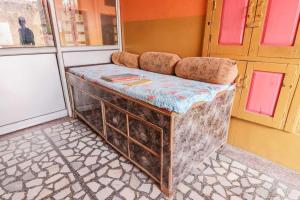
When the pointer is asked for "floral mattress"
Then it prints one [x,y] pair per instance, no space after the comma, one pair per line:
[165,91]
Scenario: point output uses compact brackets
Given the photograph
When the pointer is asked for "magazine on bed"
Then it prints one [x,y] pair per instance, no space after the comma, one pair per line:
[121,78]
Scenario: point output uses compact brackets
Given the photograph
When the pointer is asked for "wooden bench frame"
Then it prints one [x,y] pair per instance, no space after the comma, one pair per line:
[143,113]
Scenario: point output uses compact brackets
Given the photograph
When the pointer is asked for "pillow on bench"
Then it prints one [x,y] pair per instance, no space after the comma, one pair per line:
[207,69]
[116,58]
[129,59]
[124,58]
[163,63]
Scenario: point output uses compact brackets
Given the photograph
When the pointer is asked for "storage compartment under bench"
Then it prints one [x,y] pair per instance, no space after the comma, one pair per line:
[164,145]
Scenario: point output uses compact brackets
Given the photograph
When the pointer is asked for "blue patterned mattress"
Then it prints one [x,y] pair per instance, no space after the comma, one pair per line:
[168,92]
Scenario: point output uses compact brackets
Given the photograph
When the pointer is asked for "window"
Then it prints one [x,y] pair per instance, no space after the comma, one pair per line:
[25,23]
[86,22]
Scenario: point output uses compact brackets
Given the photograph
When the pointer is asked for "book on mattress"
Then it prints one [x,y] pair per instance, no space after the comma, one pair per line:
[121,77]
[139,82]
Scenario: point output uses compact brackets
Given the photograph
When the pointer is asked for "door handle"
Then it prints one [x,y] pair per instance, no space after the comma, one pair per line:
[257,21]
[287,86]
[259,16]
[240,81]
[250,13]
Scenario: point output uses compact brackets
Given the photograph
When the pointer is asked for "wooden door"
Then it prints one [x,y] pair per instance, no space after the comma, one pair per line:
[230,31]
[269,88]
[276,29]
[239,86]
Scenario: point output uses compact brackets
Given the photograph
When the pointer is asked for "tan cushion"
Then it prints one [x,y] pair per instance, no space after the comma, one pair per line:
[207,69]
[163,63]
[129,60]
[116,58]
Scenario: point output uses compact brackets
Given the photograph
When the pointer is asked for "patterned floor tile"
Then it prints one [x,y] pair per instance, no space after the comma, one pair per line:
[69,161]
[37,172]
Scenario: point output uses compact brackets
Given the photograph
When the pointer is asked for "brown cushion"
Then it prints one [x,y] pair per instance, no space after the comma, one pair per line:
[116,58]
[163,63]
[129,60]
[207,69]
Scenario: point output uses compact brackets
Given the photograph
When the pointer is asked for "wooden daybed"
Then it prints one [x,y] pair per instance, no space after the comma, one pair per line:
[163,144]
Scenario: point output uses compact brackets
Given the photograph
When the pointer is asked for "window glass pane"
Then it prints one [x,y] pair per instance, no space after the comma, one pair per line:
[87,22]
[25,23]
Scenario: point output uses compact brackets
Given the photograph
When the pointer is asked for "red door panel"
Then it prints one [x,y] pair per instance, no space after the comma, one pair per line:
[264,92]
[233,22]
[281,22]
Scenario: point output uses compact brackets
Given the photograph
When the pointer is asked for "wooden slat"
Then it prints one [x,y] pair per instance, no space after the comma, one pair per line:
[133,140]
[134,116]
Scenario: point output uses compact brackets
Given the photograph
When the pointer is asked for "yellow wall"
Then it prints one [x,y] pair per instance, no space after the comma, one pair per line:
[276,145]
[178,26]
[175,26]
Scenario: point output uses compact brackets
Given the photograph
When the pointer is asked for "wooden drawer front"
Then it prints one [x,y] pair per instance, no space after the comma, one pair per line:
[146,160]
[115,118]
[118,140]
[145,134]
[89,108]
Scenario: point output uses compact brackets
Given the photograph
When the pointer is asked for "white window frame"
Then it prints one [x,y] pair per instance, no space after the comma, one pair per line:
[58,49]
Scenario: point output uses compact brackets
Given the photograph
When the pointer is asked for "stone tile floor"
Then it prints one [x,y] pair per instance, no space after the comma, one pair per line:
[69,161]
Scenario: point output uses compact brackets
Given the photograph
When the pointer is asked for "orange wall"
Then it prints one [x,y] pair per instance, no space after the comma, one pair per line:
[163,25]
[139,10]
